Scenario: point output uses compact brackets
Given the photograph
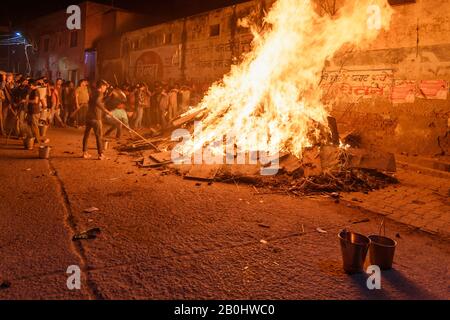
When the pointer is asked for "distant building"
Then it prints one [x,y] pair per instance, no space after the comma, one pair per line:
[200,48]
[71,54]
[12,50]
[5,32]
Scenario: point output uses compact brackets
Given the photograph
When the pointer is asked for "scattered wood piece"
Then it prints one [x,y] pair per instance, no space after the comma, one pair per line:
[361,221]
[91,210]
[154,165]
[320,230]
[88,234]
[263,241]
[204,172]
[162,156]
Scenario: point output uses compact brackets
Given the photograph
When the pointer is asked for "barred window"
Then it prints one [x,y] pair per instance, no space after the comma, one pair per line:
[214,30]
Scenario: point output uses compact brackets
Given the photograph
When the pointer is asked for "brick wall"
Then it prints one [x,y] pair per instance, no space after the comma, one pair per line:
[395,93]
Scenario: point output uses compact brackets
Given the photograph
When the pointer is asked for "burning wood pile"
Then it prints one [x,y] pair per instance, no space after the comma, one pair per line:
[324,168]
[272,102]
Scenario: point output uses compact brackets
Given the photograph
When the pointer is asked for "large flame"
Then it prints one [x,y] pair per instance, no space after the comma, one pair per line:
[272,100]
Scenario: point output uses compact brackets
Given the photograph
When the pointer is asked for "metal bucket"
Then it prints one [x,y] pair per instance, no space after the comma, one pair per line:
[43,130]
[381,251]
[44,152]
[28,143]
[354,247]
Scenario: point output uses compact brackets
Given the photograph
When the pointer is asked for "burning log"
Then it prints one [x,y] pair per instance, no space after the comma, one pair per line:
[312,164]
[203,172]
[271,101]
[334,134]
[290,164]
[188,117]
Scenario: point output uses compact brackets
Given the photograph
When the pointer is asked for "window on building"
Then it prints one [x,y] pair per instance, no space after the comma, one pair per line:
[152,40]
[395,2]
[168,38]
[214,30]
[74,39]
[46,44]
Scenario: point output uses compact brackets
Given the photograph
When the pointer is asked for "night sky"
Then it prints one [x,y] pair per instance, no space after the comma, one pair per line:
[16,11]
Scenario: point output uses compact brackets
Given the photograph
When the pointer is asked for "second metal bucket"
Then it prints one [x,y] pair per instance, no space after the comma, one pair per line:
[44,152]
[381,252]
[354,247]
[28,143]
[105,144]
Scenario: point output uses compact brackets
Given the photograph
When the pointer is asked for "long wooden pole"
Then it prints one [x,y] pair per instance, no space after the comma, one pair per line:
[136,133]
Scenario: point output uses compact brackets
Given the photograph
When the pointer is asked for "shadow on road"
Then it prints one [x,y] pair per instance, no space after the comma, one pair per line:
[360,281]
[406,286]
[394,280]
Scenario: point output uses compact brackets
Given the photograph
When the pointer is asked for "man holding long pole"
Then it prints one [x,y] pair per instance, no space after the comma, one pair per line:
[94,119]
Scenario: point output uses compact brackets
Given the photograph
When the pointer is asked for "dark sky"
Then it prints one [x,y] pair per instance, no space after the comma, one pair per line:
[18,11]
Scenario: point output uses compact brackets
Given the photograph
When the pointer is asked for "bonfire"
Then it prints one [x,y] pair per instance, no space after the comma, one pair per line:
[272,101]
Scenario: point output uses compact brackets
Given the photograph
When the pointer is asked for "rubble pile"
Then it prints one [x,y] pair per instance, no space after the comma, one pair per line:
[322,169]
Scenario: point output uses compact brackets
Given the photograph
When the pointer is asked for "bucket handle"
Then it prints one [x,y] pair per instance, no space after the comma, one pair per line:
[382,225]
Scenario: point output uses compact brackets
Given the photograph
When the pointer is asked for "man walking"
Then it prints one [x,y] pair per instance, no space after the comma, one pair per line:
[7,86]
[94,119]
[56,103]
[81,102]
[173,103]
[141,103]
[34,110]
[20,95]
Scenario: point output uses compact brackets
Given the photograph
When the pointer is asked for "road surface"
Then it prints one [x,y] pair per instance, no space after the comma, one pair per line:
[163,237]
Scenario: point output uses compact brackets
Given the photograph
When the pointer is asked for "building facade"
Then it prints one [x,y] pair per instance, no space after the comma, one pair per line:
[394,94]
[199,48]
[71,54]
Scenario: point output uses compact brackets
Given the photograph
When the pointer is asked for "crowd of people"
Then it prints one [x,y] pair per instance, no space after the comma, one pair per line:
[29,106]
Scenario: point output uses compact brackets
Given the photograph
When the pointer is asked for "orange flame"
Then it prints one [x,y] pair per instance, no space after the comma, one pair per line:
[272,100]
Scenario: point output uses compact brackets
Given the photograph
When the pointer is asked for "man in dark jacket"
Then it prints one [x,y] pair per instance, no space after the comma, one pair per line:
[94,118]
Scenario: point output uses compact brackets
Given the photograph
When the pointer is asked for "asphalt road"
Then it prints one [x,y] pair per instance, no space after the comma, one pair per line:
[163,237]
